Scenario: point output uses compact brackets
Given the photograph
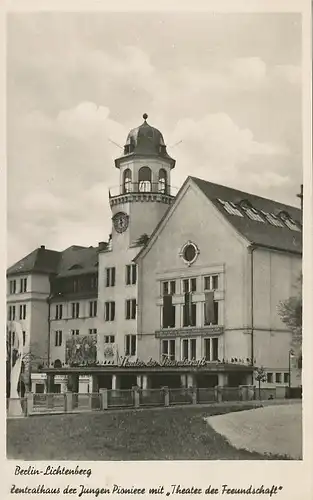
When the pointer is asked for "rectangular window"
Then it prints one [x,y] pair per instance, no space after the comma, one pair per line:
[23,285]
[92,331]
[59,311]
[130,345]
[23,311]
[109,311]
[168,287]
[24,338]
[75,332]
[286,378]
[211,282]
[12,286]
[269,378]
[11,313]
[215,349]
[109,339]
[207,349]
[75,309]
[131,309]
[110,276]
[168,349]
[58,338]
[278,378]
[189,311]
[131,274]
[168,312]
[93,308]
[211,316]
[189,349]
[190,285]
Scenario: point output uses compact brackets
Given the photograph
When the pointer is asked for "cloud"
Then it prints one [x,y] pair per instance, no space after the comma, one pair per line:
[78,84]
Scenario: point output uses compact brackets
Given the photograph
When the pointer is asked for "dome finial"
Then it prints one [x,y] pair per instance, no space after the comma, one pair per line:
[145,116]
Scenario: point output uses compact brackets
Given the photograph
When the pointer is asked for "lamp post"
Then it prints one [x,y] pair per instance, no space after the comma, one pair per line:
[290,354]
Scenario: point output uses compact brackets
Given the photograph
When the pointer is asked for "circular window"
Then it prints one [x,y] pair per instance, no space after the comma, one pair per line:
[189,252]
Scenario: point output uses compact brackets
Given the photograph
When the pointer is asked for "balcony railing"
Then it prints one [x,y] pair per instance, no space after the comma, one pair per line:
[143,187]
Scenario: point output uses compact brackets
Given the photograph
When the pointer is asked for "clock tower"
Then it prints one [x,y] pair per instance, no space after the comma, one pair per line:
[144,192]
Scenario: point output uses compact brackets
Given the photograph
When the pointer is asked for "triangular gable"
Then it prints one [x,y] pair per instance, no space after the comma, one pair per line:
[189,182]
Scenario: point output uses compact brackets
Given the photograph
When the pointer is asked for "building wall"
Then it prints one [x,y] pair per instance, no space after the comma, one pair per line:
[84,323]
[35,324]
[276,278]
[196,220]
[120,256]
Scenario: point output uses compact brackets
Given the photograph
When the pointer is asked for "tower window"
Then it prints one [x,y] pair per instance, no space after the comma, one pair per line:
[162,181]
[127,181]
[144,179]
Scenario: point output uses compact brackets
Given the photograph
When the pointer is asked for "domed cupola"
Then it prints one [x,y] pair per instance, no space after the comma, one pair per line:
[146,141]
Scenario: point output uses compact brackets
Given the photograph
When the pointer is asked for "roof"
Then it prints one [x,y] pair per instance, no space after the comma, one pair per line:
[73,261]
[262,234]
[259,233]
[40,260]
[145,140]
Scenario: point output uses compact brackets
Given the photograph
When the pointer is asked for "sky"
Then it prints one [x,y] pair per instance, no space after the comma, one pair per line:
[224,89]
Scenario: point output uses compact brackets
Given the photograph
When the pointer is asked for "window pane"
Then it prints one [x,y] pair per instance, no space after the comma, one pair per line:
[207,353]
[165,287]
[185,349]
[215,282]
[133,345]
[215,349]
[172,349]
[173,287]
[113,276]
[207,283]
[193,343]
[185,286]
[193,284]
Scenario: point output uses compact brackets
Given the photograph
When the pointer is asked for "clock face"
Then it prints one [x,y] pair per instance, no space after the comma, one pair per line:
[120,222]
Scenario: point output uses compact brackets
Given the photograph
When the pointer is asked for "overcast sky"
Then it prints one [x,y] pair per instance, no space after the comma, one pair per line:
[228,86]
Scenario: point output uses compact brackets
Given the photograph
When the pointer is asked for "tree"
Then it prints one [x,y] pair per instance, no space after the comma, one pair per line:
[260,376]
[290,312]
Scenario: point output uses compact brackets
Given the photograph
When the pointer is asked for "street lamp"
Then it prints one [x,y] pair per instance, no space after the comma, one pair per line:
[291,353]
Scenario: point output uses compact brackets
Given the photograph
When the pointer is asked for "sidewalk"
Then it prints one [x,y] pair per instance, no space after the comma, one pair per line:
[273,429]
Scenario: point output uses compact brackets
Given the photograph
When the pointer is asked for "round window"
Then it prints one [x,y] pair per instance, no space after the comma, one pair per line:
[189,252]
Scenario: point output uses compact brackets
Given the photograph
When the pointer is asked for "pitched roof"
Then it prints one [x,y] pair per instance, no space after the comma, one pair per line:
[71,262]
[256,232]
[40,260]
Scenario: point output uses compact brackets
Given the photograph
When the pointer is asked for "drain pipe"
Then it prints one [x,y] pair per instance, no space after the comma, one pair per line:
[251,249]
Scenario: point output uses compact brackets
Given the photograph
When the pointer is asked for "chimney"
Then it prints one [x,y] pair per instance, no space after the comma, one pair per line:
[102,245]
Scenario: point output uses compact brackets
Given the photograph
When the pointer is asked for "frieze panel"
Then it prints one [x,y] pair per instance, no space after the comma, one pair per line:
[179,332]
[81,350]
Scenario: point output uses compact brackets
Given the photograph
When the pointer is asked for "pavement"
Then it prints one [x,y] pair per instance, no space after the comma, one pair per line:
[273,429]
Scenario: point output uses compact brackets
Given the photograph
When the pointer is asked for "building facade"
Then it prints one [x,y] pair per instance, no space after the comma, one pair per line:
[185,292]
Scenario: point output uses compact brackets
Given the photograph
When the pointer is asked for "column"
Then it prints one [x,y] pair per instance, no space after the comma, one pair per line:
[73,387]
[139,380]
[115,382]
[222,379]
[50,389]
[145,382]
[94,400]
[183,380]
[191,380]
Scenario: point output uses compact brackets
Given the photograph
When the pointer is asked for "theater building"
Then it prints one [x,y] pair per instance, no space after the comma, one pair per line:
[184,292]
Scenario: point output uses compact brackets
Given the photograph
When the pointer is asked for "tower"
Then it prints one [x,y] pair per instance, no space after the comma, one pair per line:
[144,192]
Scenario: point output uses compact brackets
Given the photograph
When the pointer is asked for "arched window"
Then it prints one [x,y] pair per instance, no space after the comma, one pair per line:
[57,364]
[144,179]
[127,181]
[162,181]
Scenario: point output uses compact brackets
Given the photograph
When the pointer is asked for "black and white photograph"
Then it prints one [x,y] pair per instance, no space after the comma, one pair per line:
[155,212]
